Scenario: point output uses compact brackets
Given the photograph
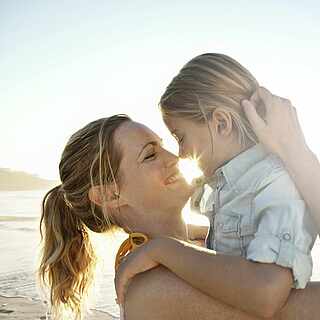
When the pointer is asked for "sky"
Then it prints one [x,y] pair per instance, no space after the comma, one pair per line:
[66,63]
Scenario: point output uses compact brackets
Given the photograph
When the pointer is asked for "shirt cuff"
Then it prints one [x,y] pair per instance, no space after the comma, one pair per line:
[268,248]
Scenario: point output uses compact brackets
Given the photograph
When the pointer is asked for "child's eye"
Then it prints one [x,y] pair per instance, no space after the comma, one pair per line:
[150,156]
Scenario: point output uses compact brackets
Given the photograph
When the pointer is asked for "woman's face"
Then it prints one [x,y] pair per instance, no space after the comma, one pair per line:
[149,176]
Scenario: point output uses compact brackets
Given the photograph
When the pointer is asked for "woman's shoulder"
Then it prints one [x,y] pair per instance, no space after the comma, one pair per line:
[156,292]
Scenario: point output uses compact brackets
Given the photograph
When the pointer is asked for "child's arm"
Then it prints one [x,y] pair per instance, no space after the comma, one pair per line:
[281,133]
[256,288]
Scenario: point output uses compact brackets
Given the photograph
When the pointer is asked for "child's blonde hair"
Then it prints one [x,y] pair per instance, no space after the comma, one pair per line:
[207,82]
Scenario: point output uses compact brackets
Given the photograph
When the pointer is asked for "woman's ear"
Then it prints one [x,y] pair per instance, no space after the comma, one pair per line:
[110,198]
[222,122]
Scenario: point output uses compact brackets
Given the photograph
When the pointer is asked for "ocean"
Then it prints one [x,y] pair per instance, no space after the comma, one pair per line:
[19,247]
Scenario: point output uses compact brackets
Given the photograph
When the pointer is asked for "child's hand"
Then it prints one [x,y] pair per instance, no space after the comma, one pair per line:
[280,130]
[136,262]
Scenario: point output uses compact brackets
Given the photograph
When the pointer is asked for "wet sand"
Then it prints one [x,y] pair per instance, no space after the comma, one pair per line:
[30,309]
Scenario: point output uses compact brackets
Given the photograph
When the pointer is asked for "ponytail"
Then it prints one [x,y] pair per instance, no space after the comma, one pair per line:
[67,267]
[68,259]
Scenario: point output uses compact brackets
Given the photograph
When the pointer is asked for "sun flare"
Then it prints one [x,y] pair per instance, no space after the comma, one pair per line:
[189,168]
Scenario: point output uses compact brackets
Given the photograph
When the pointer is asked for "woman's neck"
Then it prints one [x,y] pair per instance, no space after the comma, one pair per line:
[171,225]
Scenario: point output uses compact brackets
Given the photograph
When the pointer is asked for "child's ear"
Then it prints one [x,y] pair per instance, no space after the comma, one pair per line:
[222,122]
[111,198]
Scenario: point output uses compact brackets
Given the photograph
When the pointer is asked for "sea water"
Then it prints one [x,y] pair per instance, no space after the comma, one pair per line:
[19,250]
[20,246]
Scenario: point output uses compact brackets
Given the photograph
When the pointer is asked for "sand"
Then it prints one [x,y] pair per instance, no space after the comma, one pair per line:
[30,309]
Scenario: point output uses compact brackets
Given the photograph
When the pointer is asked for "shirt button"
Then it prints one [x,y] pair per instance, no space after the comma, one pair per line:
[286,236]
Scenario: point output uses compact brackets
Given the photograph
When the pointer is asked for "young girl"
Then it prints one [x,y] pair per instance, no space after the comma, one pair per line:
[260,228]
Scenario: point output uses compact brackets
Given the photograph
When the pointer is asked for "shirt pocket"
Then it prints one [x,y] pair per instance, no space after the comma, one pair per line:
[247,230]
[243,210]
[230,226]
[227,238]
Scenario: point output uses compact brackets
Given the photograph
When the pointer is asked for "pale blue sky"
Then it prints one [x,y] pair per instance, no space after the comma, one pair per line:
[65,63]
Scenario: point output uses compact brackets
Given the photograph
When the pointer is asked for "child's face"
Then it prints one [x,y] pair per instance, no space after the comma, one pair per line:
[210,147]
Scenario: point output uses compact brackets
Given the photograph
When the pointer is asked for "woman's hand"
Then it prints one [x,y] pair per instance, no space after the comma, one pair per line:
[280,130]
[136,262]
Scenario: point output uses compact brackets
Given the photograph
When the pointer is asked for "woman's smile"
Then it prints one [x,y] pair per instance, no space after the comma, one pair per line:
[173,178]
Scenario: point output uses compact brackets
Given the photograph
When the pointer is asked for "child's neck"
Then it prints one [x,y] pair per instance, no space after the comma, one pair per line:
[235,151]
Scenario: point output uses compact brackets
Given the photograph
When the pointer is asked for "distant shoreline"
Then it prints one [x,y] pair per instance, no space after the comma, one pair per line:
[43,189]
[17,218]
[11,180]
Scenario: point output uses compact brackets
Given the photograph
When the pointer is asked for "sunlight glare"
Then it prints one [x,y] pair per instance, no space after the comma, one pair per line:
[189,168]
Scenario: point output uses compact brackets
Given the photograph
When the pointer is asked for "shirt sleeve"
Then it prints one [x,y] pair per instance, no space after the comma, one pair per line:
[285,234]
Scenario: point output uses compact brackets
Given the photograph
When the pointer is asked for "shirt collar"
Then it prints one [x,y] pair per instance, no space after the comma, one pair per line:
[240,164]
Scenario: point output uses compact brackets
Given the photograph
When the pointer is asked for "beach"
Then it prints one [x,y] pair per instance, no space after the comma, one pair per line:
[31,309]
[20,295]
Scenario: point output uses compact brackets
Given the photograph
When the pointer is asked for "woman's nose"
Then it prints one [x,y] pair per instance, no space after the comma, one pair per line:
[171,160]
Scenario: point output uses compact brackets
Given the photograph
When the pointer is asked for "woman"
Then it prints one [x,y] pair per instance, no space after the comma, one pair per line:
[114,173]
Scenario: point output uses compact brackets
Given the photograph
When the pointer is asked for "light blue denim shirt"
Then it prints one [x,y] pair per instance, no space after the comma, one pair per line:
[255,211]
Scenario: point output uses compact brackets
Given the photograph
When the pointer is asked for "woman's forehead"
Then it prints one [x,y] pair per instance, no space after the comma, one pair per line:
[134,135]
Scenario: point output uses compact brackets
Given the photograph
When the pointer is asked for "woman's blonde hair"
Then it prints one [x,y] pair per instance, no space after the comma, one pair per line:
[68,259]
[207,82]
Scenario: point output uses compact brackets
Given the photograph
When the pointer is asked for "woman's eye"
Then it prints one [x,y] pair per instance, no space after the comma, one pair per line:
[150,156]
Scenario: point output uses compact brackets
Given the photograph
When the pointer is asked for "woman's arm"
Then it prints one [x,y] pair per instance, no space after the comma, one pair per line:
[257,288]
[159,294]
[280,132]
[196,232]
